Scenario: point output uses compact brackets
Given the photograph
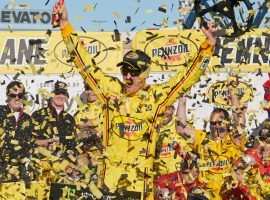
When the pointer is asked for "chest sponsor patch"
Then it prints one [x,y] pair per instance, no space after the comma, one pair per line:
[166,150]
[217,163]
[129,128]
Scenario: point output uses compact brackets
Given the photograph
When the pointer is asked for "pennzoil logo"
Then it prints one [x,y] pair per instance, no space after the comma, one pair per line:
[217,163]
[218,93]
[166,150]
[129,128]
[94,47]
[170,51]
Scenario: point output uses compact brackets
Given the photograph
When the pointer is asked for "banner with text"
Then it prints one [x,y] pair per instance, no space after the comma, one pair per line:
[170,49]
[39,52]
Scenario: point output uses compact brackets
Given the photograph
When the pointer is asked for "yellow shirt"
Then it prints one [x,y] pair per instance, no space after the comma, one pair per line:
[216,159]
[168,142]
[92,111]
[130,122]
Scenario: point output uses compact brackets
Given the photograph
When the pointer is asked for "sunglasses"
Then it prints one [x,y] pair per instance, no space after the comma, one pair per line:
[213,123]
[60,92]
[264,139]
[20,95]
[125,72]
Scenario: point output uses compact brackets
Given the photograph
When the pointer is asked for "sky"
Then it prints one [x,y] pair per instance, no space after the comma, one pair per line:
[143,13]
[110,14]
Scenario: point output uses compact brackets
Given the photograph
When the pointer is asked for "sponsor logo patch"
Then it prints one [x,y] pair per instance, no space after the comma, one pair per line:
[129,128]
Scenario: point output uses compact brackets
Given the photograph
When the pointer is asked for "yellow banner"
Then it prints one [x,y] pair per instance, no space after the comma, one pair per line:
[218,93]
[169,49]
[38,53]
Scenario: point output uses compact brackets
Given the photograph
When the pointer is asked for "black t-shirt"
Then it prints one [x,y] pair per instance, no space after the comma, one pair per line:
[49,124]
[16,139]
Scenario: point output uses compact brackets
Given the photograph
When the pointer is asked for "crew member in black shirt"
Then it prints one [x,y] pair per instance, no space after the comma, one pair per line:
[15,135]
[53,123]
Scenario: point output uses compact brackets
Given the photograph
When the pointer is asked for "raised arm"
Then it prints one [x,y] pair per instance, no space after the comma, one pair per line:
[238,111]
[181,123]
[190,74]
[100,83]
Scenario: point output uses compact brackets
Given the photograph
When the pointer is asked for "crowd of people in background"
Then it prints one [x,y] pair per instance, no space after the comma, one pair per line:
[51,146]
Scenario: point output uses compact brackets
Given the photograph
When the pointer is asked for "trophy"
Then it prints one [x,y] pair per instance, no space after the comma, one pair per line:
[224,15]
[57,13]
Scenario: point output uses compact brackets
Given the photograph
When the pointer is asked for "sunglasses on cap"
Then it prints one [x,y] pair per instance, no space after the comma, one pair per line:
[125,71]
[19,95]
[213,123]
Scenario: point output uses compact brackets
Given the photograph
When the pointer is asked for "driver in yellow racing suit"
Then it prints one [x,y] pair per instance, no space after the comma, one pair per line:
[132,109]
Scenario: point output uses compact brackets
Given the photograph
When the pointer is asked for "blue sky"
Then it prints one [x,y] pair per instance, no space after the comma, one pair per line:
[143,13]
[147,12]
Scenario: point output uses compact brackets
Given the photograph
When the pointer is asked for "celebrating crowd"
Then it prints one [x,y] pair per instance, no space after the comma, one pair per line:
[125,142]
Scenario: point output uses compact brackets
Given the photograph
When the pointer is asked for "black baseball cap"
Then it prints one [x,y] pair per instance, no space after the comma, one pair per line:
[87,86]
[60,87]
[135,60]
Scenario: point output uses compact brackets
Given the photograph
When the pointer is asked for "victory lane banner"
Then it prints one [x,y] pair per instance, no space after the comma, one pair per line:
[171,49]
[39,52]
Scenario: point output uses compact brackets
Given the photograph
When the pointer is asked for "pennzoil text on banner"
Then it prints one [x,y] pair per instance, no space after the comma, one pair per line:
[170,50]
[38,52]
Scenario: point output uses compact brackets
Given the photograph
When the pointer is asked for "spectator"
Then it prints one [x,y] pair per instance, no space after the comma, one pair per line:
[169,146]
[222,146]
[253,168]
[53,123]
[89,116]
[16,128]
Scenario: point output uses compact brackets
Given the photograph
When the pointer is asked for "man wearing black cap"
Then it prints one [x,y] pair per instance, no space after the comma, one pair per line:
[53,123]
[134,64]
[54,131]
[132,110]
[16,129]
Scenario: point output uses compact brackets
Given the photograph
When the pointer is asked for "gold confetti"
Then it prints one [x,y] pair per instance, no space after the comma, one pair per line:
[88,8]
[149,11]
[117,15]
[16,142]
[37,17]
[78,101]
[78,18]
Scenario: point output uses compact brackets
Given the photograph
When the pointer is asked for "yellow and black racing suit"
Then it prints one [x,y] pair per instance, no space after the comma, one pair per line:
[169,146]
[217,159]
[131,122]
